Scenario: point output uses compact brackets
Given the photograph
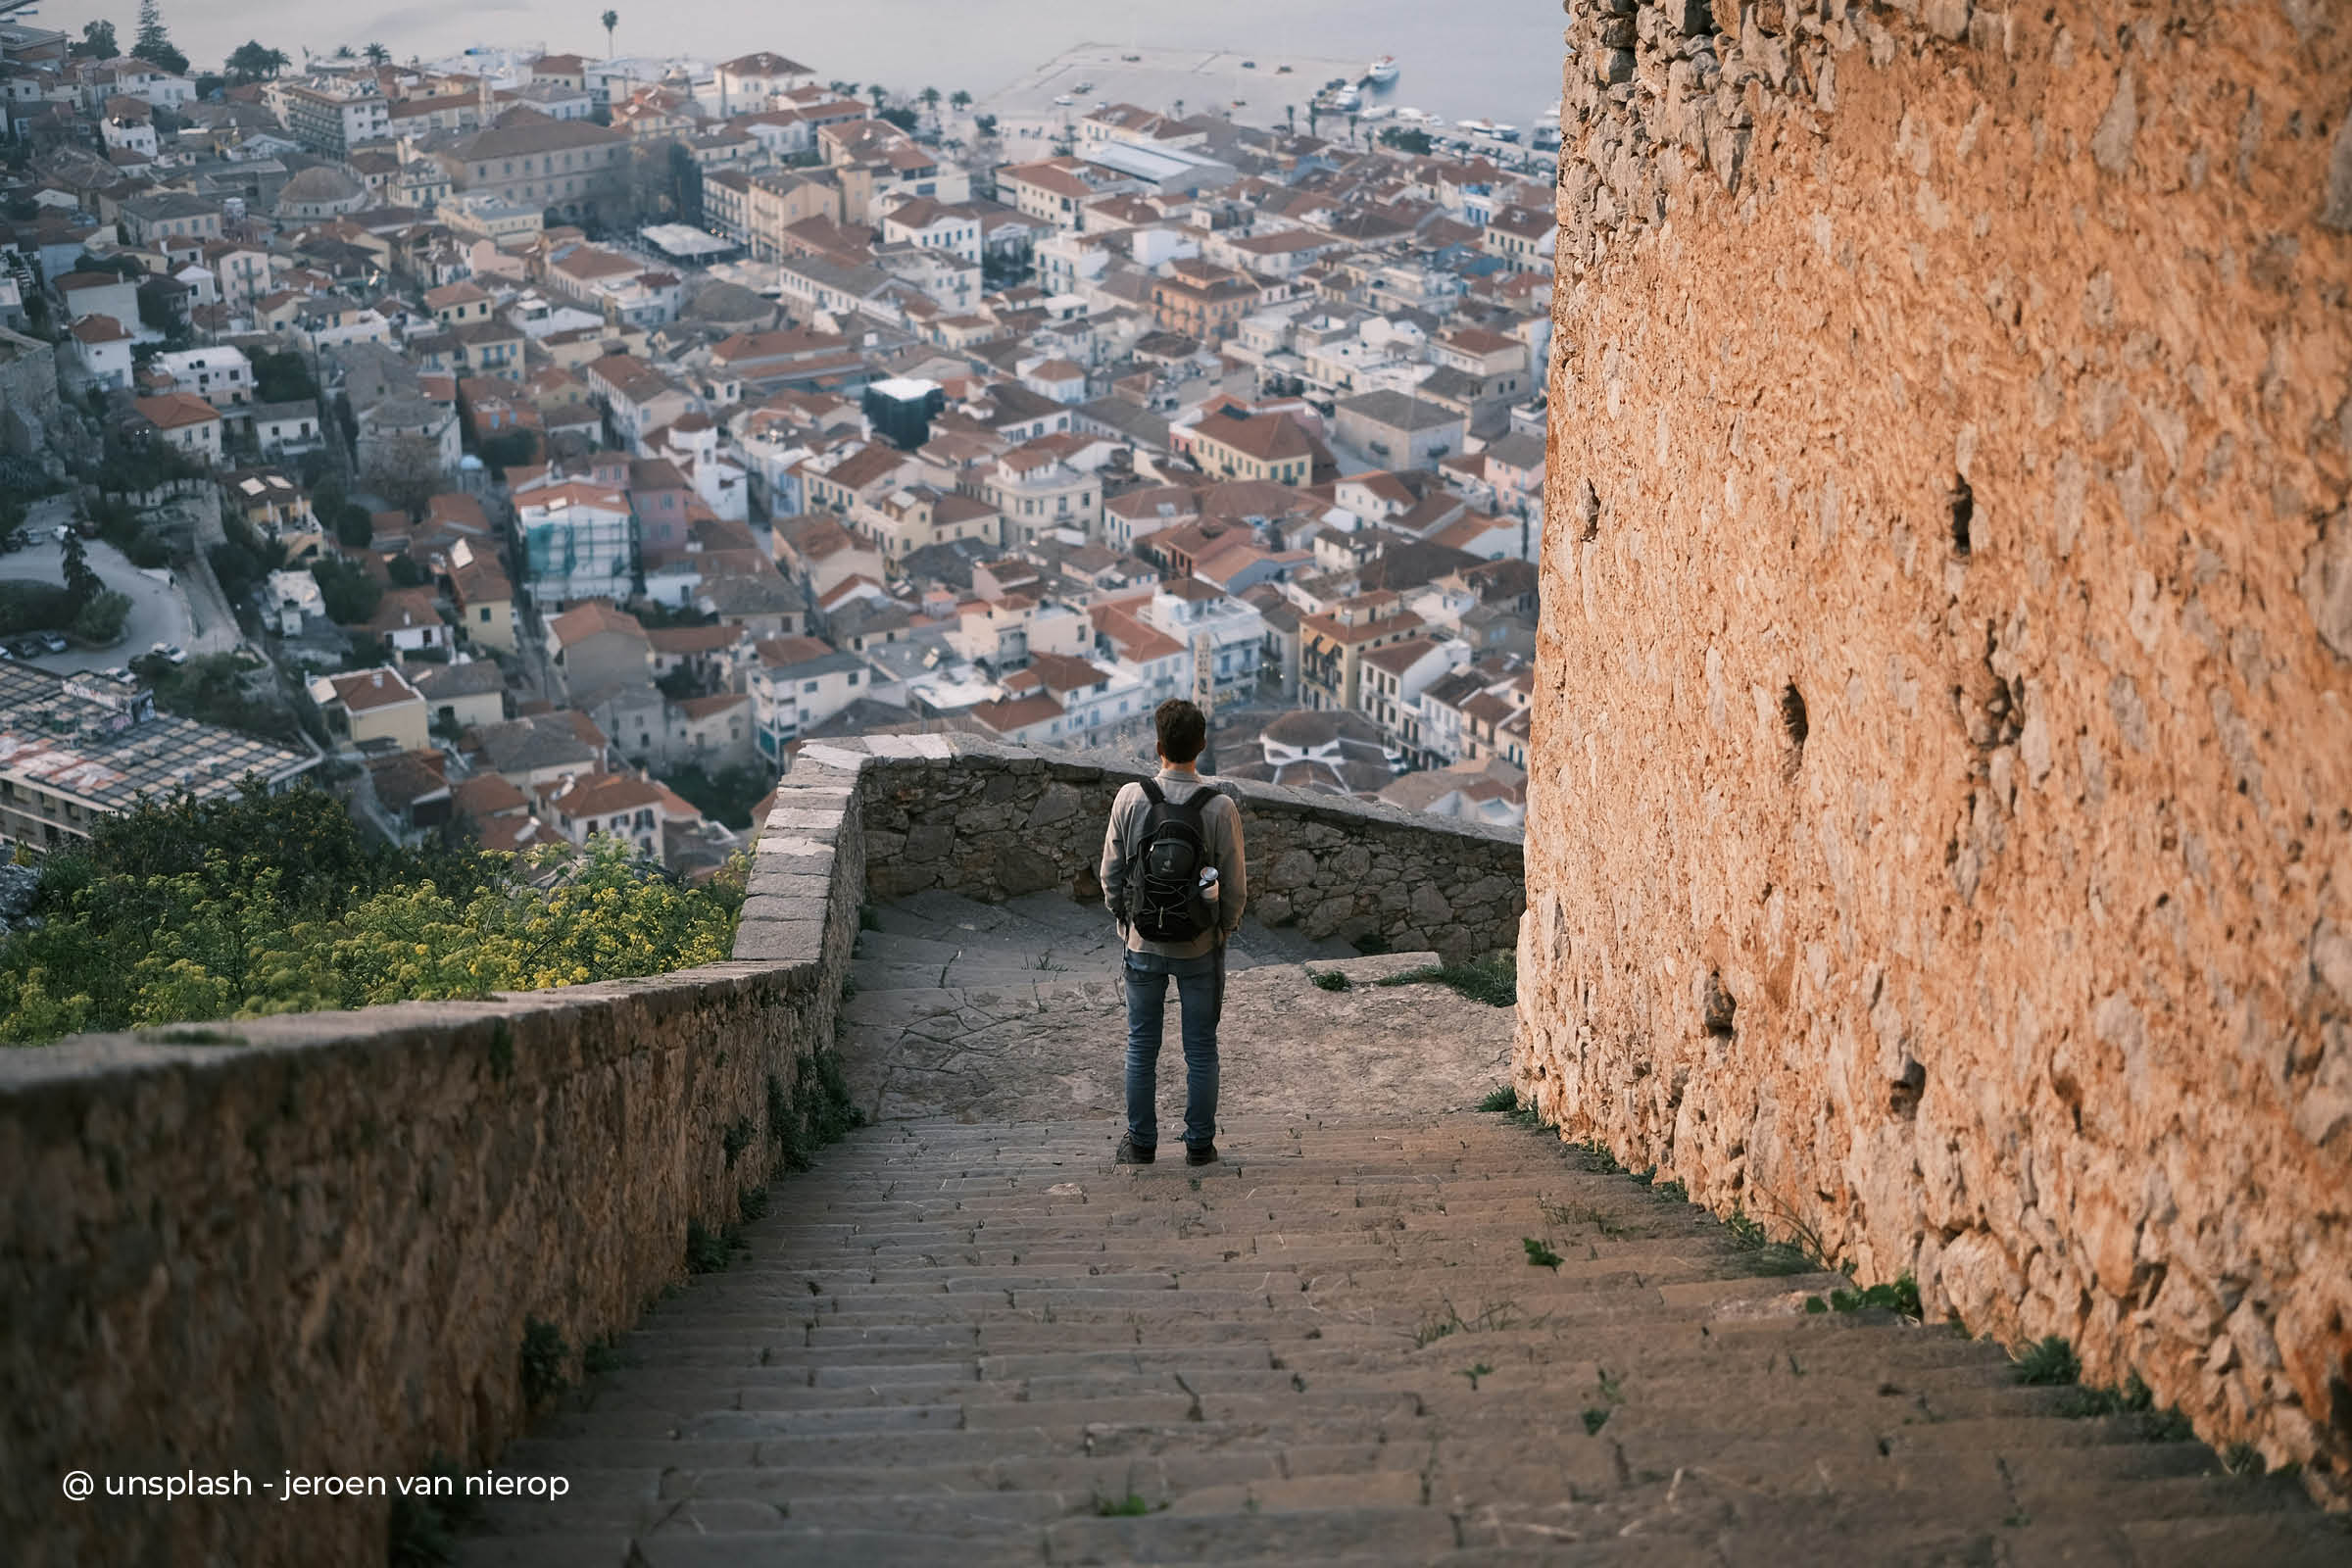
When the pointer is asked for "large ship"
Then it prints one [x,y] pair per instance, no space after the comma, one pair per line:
[1382,72]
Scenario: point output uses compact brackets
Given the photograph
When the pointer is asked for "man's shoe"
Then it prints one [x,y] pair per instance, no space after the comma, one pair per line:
[1129,1154]
[1199,1154]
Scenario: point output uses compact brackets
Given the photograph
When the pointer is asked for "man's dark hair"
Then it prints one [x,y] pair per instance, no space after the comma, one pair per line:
[1182,730]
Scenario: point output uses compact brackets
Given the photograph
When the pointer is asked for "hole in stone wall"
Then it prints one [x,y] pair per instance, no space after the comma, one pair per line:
[1964,513]
[1720,1006]
[1794,725]
[1587,511]
[1902,1096]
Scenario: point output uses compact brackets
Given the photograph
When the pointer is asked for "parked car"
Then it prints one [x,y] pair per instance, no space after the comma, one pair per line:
[53,642]
[27,647]
[1065,99]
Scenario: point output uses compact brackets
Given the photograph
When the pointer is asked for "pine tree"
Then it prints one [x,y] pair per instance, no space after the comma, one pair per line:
[153,44]
[82,583]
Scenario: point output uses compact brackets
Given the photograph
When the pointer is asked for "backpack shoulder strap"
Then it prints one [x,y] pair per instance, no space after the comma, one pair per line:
[1151,792]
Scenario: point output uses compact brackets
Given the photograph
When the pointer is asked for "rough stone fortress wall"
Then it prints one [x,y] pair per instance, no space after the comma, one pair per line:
[314,1242]
[1942,832]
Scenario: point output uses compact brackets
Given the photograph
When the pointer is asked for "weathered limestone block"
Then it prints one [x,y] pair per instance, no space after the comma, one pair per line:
[928,841]
[1293,871]
[785,941]
[1058,804]
[1949,660]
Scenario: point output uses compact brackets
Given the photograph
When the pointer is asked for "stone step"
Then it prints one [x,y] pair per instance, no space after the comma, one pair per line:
[790,1547]
[977,1343]
[1395,1533]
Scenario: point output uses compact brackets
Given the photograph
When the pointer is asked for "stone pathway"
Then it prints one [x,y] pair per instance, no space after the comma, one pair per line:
[1016,1012]
[967,1337]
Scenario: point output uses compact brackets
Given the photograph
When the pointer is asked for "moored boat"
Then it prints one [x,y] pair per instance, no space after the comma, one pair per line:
[1383,70]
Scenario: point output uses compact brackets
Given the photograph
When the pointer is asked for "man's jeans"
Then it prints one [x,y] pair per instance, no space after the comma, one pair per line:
[1200,996]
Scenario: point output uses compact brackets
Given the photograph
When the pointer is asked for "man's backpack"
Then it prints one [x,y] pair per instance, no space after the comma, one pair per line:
[1163,872]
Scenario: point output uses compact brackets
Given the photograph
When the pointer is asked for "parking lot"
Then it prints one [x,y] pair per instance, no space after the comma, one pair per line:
[159,610]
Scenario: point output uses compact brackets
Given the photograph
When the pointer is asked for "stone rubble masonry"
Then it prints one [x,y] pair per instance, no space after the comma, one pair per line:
[1333,867]
[1942,819]
[313,1242]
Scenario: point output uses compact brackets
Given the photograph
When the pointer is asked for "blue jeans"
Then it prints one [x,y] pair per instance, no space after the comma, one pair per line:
[1200,996]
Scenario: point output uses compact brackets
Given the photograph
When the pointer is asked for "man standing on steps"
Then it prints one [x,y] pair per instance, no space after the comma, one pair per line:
[1173,877]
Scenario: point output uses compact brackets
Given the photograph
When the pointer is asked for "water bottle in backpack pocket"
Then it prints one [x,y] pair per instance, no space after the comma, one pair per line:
[1165,900]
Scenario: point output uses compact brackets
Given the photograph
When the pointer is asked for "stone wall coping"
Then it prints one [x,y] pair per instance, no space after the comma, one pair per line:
[391,1024]
[850,755]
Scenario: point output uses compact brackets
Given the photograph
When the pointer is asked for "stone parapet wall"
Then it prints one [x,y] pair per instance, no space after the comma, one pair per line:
[1942,819]
[994,822]
[315,1242]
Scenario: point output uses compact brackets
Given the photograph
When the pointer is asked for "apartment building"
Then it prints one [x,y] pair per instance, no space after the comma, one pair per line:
[579,541]
[1332,646]
[1190,610]
[221,376]
[331,114]
[569,169]
[1037,491]
[1233,443]
[1394,677]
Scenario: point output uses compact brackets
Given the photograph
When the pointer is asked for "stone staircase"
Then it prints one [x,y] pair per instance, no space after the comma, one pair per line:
[967,1337]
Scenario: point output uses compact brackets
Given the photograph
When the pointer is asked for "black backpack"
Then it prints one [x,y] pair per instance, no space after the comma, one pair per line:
[1163,873]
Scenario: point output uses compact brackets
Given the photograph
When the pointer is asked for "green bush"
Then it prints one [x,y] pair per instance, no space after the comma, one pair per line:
[34,606]
[101,620]
[191,912]
[351,593]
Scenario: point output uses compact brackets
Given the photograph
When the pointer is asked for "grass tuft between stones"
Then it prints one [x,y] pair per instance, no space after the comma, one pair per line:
[1901,1298]
[2049,1364]
[1502,1097]
[542,1361]
[813,1111]
[1766,1256]
[1329,979]
[708,1250]
[2135,1404]
[1492,979]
